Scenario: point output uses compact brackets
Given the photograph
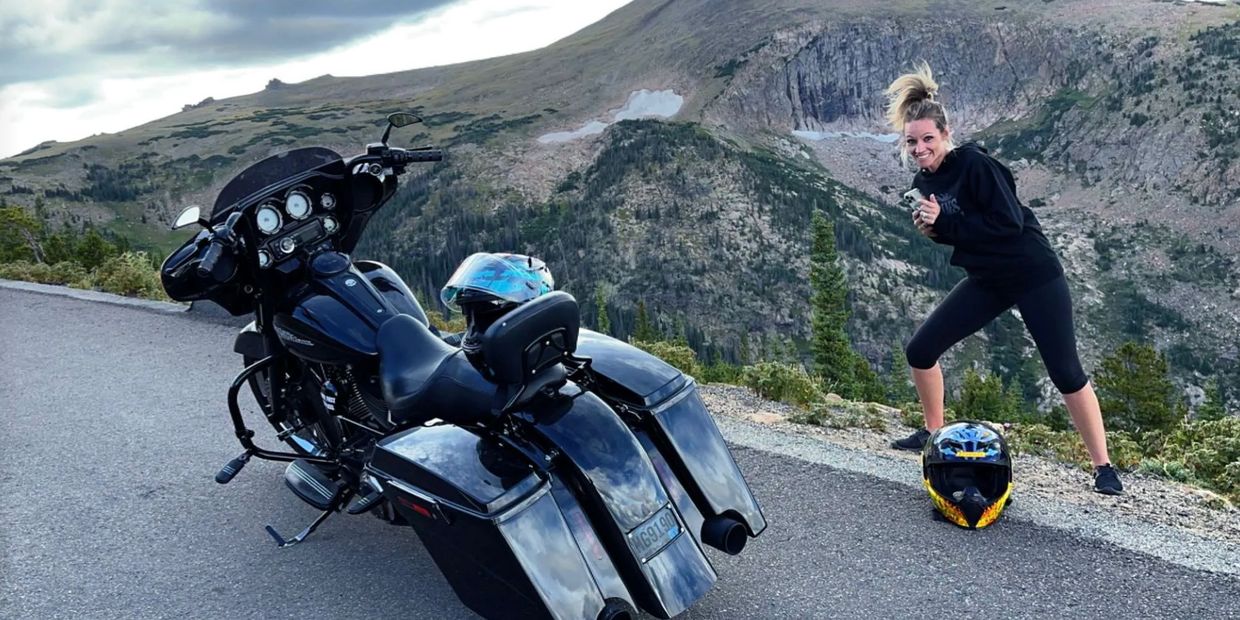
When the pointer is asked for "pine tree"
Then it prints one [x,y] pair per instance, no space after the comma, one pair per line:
[899,386]
[1135,391]
[1212,408]
[603,323]
[832,356]
[981,397]
[19,235]
[644,330]
[93,249]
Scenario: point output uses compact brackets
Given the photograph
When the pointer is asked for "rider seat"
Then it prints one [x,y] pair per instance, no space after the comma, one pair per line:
[424,377]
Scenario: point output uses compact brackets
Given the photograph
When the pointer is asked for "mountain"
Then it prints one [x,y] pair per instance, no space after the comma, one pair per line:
[672,154]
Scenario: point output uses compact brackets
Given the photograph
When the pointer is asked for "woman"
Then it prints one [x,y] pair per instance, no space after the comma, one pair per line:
[969,202]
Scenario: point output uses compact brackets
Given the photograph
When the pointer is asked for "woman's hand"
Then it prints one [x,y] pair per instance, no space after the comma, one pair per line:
[925,215]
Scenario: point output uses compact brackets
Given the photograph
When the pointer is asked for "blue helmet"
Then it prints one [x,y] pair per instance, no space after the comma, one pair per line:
[967,469]
[487,286]
[499,278]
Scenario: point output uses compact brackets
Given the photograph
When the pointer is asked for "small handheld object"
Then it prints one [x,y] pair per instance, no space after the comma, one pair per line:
[912,199]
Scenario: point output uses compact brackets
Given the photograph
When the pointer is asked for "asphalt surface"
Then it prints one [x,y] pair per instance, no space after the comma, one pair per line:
[113,422]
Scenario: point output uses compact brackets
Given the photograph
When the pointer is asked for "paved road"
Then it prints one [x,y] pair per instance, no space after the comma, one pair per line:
[112,424]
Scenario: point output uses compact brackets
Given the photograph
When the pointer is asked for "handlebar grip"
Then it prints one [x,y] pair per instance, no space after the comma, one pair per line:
[221,239]
[423,155]
[207,265]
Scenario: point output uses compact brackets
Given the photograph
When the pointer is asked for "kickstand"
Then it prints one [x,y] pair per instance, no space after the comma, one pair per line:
[282,543]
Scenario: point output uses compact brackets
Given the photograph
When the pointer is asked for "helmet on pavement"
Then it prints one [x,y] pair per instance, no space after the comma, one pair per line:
[967,469]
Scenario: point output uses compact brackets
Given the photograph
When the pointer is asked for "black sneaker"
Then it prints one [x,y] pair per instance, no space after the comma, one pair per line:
[914,442]
[1106,481]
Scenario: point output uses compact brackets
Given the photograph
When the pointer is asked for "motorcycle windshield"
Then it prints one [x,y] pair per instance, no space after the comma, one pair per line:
[272,171]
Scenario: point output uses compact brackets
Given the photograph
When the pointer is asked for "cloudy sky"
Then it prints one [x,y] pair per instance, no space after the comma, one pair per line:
[73,68]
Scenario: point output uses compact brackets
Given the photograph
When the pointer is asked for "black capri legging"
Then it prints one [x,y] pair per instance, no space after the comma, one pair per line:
[1046,310]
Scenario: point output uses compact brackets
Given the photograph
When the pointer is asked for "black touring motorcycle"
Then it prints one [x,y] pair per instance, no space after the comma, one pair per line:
[579,478]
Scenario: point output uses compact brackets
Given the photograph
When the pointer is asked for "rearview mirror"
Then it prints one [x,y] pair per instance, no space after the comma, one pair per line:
[401,119]
[398,119]
[187,217]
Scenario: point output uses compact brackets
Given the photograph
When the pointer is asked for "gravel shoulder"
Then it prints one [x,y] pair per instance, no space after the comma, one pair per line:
[1155,516]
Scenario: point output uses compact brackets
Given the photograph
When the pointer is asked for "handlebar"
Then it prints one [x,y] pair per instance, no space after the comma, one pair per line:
[221,238]
[401,157]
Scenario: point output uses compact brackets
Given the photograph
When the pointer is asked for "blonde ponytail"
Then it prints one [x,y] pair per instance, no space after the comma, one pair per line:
[913,97]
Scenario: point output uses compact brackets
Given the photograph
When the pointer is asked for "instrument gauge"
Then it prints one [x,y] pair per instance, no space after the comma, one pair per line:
[297,204]
[329,225]
[268,219]
[328,201]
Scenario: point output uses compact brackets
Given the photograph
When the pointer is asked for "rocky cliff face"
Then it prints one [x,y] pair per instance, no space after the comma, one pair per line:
[1118,118]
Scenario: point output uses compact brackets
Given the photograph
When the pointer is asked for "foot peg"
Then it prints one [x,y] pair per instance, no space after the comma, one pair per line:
[311,485]
[232,468]
[365,502]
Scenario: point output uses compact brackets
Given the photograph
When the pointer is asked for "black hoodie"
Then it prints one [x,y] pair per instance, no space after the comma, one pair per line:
[997,240]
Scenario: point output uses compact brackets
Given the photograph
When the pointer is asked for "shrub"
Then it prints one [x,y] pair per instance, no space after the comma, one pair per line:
[129,274]
[68,272]
[26,271]
[678,355]
[453,324]
[719,372]
[983,398]
[1210,451]
[787,383]
[843,414]
[911,415]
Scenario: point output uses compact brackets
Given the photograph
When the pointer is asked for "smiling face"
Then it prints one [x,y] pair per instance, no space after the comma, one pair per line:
[925,143]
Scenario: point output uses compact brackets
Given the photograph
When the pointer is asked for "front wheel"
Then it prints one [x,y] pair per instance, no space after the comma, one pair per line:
[299,423]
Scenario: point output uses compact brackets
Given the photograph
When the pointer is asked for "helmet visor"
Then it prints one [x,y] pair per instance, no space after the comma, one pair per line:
[493,275]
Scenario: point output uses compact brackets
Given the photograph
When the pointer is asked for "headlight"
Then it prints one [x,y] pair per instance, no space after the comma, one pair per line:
[297,204]
[268,219]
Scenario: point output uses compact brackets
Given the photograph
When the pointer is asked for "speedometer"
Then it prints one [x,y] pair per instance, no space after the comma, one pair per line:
[297,204]
[268,219]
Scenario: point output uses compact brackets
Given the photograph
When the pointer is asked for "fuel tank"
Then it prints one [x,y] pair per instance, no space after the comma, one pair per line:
[335,316]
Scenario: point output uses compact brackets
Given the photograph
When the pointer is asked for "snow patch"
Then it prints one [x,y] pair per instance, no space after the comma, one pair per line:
[889,138]
[589,129]
[641,104]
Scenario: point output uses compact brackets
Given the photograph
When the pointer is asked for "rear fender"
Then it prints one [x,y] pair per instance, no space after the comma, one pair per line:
[622,493]
[672,412]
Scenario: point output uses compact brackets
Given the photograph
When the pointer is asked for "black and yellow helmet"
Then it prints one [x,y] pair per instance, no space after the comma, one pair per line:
[967,468]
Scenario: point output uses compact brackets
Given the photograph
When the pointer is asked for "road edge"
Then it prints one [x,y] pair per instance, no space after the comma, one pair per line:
[1163,542]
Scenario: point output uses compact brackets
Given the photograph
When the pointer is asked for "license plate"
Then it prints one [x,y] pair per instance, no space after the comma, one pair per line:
[649,538]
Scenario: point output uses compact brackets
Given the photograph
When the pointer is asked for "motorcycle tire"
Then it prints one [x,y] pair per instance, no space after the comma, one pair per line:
[309,438]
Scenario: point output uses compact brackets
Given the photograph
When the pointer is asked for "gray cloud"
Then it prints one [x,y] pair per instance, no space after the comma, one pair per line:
[48,40]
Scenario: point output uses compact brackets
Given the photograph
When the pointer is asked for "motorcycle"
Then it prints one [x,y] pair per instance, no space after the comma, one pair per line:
[580,478]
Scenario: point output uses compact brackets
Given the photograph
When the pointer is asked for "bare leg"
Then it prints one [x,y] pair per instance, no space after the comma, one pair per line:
[1087,418]
[929,384]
